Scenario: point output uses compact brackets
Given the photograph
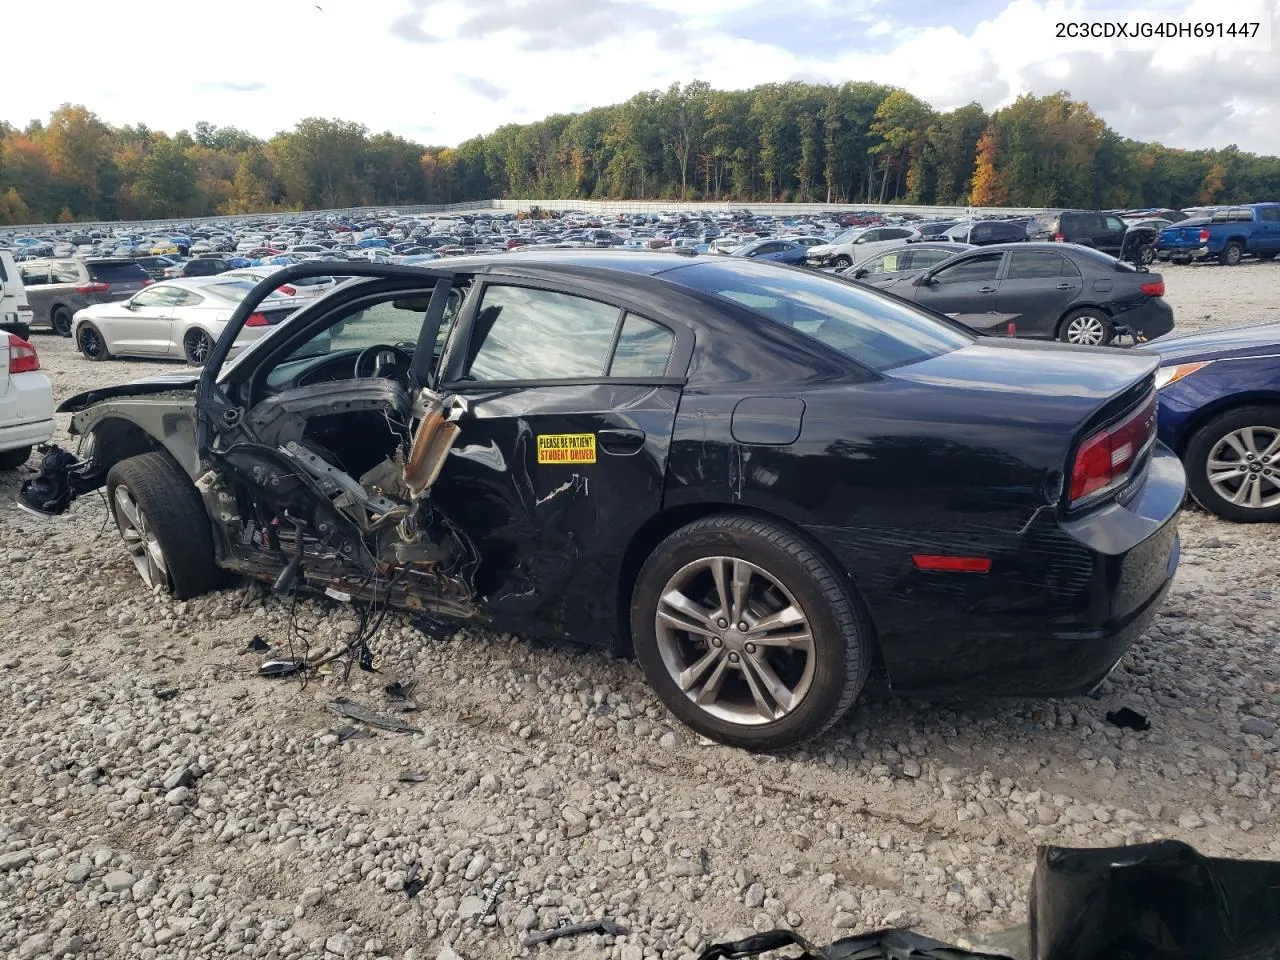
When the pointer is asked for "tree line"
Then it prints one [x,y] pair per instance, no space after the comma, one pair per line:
[848,143]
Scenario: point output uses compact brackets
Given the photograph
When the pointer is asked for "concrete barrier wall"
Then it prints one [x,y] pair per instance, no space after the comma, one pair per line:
[599,207]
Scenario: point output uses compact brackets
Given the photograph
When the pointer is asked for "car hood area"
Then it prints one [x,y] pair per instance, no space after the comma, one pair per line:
[162,383]
[1252,339]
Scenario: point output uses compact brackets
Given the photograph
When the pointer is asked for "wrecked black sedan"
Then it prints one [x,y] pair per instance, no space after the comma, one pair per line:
[764,481]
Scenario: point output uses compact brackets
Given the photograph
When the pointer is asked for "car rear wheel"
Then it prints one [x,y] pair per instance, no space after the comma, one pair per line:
[1147,255]
[1233,464]
[163,524]
[1231,254]
[197,345]
[13,459]
[60,320]
[747,634]
[1086,328]
[91,343]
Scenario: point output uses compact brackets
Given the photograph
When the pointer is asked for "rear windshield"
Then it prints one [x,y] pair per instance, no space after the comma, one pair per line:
[877,331]
[1105,259]
[236,290]
[116,272]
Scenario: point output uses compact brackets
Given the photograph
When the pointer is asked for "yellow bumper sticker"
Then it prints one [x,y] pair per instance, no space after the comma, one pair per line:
[567,448]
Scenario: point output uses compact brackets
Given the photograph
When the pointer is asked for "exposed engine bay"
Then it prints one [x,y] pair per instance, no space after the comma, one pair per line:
[326,486]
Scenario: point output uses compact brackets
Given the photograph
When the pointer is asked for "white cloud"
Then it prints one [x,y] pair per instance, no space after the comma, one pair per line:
[264,64]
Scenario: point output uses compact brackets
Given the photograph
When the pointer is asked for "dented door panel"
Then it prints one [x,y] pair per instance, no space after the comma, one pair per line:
[552,483]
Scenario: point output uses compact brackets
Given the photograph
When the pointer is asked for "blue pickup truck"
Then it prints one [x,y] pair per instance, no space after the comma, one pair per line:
[1225,234]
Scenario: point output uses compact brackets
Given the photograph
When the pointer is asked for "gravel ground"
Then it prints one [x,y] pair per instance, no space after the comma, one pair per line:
[158,799]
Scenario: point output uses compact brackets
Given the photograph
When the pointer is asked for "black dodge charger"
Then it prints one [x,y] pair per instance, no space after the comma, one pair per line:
[764,481]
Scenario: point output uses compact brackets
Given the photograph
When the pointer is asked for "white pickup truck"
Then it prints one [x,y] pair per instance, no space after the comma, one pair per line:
[26,401]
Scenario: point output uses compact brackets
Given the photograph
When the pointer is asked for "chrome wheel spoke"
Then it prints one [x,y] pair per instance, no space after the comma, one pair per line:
[1233,441]
[789,616]
[692,617]
[795,640]
[1227,472]
[1273,448]
[691,675]
[777,689]
[710,691]
[125,503]
[1249,441]
[741,586]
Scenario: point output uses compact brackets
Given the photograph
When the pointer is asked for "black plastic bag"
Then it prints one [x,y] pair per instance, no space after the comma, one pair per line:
[1153,901]
[881,945]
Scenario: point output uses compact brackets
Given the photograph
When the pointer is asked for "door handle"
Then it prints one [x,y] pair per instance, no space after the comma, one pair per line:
[1064,286]
[986,289]
[621,441]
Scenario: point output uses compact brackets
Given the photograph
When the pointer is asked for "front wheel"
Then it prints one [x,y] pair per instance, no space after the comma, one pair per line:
[93,346]
[196,346]
[1086,328]
[841,262]
[1231,254]
[163,524]
[60,320]
[13,459]
[747,634]
[1233,465]
[1146,255]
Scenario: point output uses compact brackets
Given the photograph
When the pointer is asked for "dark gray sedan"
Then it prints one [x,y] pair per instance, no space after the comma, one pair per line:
[1045,291]
[909,258]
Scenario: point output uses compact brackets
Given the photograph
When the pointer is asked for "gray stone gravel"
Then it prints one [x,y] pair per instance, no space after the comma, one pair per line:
[231,820]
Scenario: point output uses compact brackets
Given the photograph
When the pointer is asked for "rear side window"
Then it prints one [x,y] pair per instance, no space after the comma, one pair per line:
[1034,264]
[928,258]
[117,273]
[526,334]
[34,274]
[64,272]
[1269,213]
[875,330]
[643,349]
[971,269]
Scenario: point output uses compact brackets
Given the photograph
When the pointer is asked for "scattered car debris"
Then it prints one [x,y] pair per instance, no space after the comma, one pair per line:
[491,898]
[352,732]
[168,694]
[350,710]
[1128,719]
[256,645]
[286,667]
[414,884]
[400,696]
[704,860]
[880,945]
[602,925]
[412,776]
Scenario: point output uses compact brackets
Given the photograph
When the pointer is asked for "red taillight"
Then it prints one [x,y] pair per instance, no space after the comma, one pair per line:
[1154,289]
[1059,238]
[22,356]
[287,290]
[93,286]
[942,564]
[256,320]
[1204,236]
[147,282]
[1012,330]
[1106,458]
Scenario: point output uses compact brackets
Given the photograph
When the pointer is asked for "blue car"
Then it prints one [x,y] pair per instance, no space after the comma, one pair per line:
[1220,411]
[779,251]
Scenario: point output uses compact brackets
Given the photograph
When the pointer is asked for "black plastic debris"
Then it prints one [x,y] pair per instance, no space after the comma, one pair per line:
[603,925]
[1153,901]
[400,696]
[413,882]
[350,710]
[256,645]
[168,694]
[412,776]
[1128,719]
[704,860]
[286,667]
[881,945]
[364,656]
[352,732]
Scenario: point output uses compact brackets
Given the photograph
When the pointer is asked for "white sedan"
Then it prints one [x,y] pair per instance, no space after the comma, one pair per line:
[860,243]
[308,288]
[175,318]
[26,401]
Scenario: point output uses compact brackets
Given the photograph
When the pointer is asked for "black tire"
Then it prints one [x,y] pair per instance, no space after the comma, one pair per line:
[1231,253]
[93,346]
[1201,447]
[1078,321]
[60,320]
[841,262]
[196,346]
[1146,255]
[13,459]
[176,517]
[841,632]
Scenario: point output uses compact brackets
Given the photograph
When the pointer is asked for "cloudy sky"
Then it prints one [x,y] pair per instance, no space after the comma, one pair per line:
[439,71]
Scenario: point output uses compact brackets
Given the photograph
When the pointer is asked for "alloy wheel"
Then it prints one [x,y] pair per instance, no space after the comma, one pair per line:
[1244,467]
[144,549]
[91,344]
[735,640]
[198,346]
[1087,331]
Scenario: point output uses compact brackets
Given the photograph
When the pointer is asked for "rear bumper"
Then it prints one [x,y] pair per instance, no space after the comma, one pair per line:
[1153,319]
[26,411]
[1182,253]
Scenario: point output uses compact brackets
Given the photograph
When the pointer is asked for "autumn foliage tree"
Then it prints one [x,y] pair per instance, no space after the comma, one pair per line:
[988,189]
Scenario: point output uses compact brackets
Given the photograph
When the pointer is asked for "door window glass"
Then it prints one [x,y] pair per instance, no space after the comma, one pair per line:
[1269,213]
[34,274]
[928,258]
[643,349]
[971,269]
[1034,265]
[187,298]
[526,334]
[1115,225]
[156,297]
[882,264]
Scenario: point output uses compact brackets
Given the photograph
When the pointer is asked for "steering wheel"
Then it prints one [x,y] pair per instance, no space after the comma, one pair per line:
[382,359]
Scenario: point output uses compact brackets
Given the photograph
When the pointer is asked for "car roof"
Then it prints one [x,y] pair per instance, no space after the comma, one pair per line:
[644,263]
